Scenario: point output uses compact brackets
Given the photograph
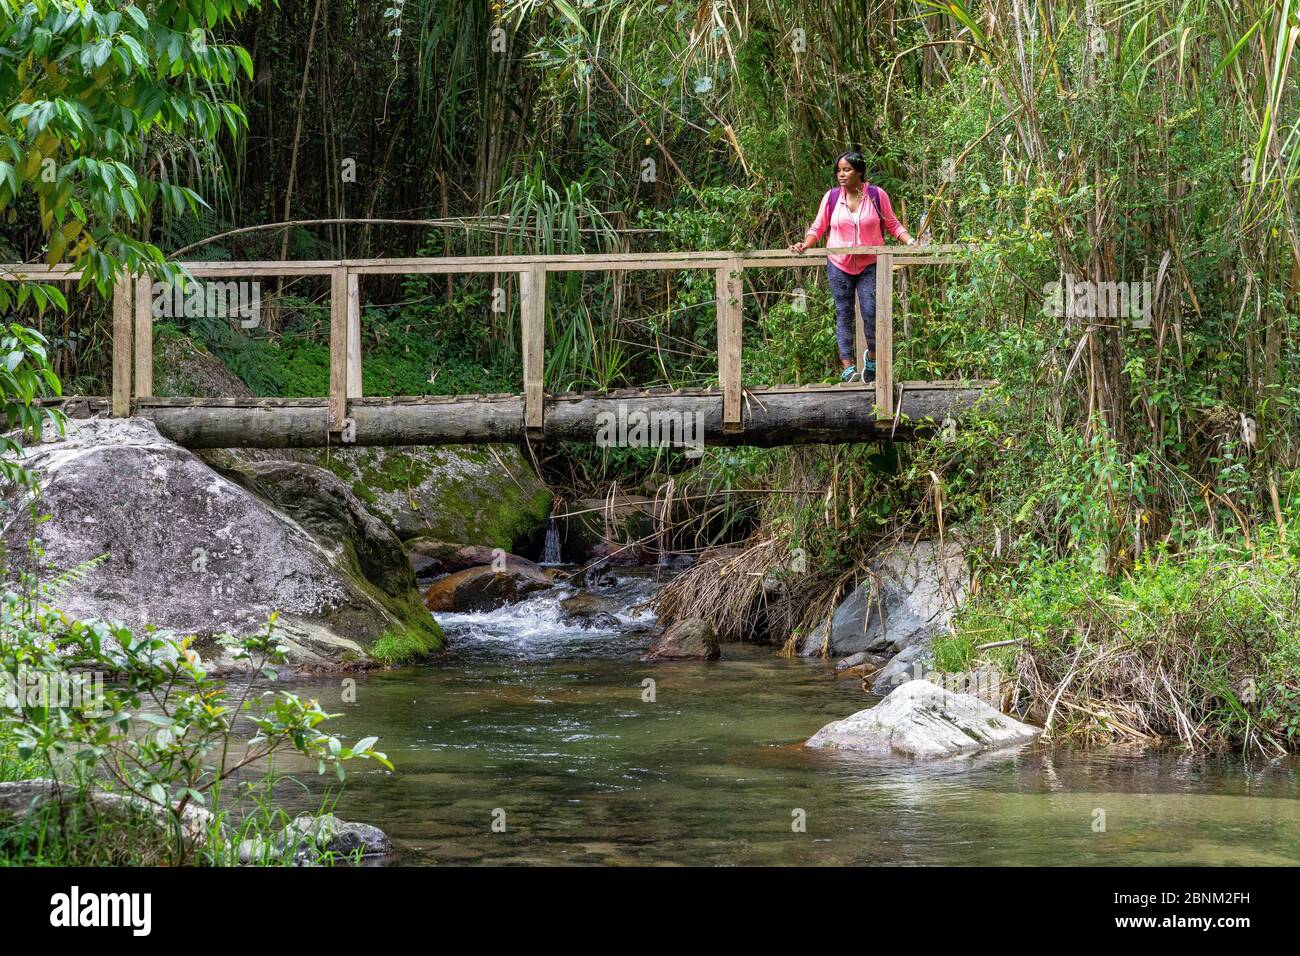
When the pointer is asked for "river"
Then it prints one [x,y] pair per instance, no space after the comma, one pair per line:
[533,742]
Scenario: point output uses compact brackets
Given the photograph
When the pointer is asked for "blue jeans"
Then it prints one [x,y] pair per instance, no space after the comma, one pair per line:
[843,286]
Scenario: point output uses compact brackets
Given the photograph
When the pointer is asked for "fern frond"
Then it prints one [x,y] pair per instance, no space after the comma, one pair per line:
[52,590]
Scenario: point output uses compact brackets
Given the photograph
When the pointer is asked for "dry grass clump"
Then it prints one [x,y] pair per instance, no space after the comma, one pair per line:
[765,591]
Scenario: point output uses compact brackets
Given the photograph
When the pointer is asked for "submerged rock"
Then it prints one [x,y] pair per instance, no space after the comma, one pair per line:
[919,587]
[310,838]
[160,538]
[597,575]
[924,722]
[688,639]
[484,588]
[328,834]
[585,608]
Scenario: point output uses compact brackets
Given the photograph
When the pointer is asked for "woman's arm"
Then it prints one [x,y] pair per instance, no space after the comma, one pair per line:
[890,221]
[818,227]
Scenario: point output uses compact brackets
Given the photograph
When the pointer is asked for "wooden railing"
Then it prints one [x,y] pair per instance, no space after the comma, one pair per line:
[133,311]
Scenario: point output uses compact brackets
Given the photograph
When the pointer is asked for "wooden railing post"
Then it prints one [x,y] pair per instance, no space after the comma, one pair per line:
[354,335]
[122,352]
[143,337]
[885,335]
[532,312]
[730,313]
[338,348]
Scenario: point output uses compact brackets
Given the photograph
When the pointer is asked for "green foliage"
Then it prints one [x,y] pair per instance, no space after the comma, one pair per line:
[796,342]
[402,647]
[14,767]
[25,375]
[1210,633]
[412,349]
[724,217]
[84,91]
[164,732]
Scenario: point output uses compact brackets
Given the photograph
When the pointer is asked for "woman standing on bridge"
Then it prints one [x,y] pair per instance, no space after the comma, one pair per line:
[854,213]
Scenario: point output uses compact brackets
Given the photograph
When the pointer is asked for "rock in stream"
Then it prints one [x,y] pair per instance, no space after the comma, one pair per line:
[925,722]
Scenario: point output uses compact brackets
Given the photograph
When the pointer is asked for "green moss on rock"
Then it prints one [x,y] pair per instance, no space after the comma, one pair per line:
[483,495]
[409,644]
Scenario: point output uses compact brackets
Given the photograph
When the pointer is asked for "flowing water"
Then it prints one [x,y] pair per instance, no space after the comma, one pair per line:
[536,742]
[551,545]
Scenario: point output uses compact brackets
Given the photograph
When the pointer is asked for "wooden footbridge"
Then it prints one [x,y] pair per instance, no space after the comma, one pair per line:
[730,414]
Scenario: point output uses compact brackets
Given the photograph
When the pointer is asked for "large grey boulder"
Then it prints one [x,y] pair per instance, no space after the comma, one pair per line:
[486,495]
[322,504]
[911,599]
[924,722]
[187,550]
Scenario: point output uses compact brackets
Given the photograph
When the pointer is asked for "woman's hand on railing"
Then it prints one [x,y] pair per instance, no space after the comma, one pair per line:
[798,246]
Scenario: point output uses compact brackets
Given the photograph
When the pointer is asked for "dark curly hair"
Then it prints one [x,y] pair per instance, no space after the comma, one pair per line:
[854,159]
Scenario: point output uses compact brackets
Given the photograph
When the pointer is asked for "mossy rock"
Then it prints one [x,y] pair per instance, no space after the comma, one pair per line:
[183,367]
[481,495]
[326,508]
[373,556]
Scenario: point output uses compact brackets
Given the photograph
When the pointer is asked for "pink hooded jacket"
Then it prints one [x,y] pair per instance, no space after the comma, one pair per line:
[848,229]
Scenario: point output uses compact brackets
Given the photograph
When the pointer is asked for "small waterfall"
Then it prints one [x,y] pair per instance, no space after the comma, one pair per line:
[551,547]
[542,627]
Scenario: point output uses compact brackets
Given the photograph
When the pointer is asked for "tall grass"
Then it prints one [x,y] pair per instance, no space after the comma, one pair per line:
[1201,648]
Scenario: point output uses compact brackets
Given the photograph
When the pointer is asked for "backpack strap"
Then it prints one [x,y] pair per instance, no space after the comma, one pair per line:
[832,200]
[874,192]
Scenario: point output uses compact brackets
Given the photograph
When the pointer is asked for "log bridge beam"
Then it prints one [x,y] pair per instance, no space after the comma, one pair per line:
[789,415]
